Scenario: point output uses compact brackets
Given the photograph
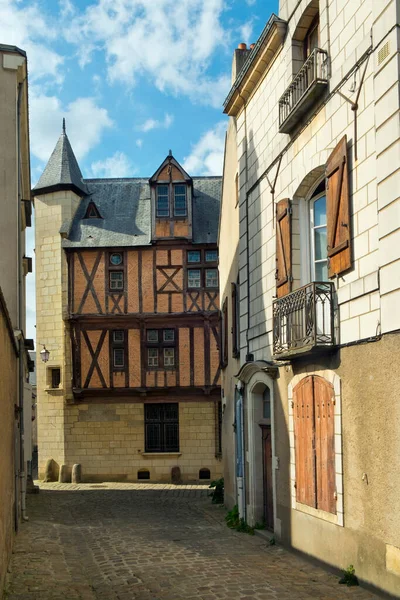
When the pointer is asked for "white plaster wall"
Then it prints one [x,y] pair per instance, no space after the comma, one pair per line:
[365,309]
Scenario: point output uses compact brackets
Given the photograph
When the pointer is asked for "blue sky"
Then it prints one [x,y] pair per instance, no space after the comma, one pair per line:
[133,78]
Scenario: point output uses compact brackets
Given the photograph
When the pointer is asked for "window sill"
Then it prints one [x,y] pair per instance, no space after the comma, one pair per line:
[159,454]
[52,390]
[335,519]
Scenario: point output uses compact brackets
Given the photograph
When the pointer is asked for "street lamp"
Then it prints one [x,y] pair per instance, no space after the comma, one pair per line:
[44,354]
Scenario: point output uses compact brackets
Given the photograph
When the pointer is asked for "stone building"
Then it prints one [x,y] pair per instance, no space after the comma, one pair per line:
[15,205]
[314,145]
[128,306]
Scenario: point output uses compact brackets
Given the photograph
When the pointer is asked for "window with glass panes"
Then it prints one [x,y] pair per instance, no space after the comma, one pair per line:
[180,201]
[161,346]
[161,427]
[116,280]
[206,273]
[318,246]
[118,349]
[162,209]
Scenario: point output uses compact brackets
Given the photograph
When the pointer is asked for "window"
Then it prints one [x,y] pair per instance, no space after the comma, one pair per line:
[169,357]
[116,259]
[267,404]
[152,335]
[116,280]
[55,375]
[318,237]
[118,336]
[204,474]
[193,256]
[211,278]
[162,201]
[180,201]
[92,212]
[161,348]
[168,335]
[311,41]
[211,255]
[161,427]
[118,344]
[313,413]
[152,357]
[118,360]
[143,474]
[194,280]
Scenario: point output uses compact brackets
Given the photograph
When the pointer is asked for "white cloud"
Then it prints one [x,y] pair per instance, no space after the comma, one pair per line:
[117,165]
[139,143]
[246,32]
[150,124]
[251,2]
[170,43]
[29,29]
[85,121]
[207,156]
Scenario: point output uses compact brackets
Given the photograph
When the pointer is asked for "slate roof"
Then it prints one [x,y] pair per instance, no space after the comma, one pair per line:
[62,171]
[125,207]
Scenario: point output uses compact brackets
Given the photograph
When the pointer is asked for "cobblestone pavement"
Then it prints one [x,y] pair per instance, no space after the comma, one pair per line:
[151,542]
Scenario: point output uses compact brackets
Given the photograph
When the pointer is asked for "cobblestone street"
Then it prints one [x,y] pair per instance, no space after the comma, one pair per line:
[151,542]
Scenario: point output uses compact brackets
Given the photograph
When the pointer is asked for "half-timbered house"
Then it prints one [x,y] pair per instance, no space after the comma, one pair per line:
[127,305]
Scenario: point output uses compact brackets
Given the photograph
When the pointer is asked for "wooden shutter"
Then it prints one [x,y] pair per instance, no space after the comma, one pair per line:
[224,345]
[234,304]
[303,401]
[283,273]
[324,444]
[338,210]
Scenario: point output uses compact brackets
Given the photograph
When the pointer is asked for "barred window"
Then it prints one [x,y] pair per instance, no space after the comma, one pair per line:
[211,255]
[161,344]
[152,335]
[194,256]
[162,427]
[119,357]
[169,335]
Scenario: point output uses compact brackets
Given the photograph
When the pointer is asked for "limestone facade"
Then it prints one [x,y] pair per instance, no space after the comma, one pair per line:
[286,143]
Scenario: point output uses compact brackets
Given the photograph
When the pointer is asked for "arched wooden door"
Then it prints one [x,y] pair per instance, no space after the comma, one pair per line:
[267,476]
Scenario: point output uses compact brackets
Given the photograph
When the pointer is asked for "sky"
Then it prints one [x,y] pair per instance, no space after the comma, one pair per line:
[133,79]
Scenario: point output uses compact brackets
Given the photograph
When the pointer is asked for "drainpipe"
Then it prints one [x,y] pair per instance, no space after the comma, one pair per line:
[20,324]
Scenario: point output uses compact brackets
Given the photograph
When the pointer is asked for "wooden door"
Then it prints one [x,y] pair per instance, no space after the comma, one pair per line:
[267,468]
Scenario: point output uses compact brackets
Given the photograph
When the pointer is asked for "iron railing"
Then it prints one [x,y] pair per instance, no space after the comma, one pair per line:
[312,75]
[304,319]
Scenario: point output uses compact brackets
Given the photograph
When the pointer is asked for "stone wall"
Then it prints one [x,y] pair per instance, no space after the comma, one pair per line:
[108,441]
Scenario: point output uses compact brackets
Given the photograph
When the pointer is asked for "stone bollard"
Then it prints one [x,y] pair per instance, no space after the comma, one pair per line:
[51,471]
[176,475]
[63,474]
[76,474]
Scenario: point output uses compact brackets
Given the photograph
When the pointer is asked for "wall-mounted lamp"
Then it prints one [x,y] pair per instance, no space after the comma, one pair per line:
[44,354]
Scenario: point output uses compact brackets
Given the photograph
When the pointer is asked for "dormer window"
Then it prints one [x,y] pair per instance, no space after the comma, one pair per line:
[162,201]
[180,209]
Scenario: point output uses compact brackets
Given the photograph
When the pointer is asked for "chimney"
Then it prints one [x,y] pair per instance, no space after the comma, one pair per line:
[239,58]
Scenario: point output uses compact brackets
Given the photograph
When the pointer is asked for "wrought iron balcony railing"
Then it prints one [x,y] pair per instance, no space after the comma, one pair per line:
[304,90]
[303,320]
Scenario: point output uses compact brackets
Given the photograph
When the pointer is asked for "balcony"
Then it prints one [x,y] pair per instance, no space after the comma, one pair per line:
[303,321]
[307,86]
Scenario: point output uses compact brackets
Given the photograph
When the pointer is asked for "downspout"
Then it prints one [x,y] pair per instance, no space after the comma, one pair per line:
[20,324]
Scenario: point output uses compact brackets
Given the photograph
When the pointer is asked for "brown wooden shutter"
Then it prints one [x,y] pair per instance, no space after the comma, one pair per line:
[338,210]
[283,248]
[234,302]
[325,444]
[224,345]
[303,401]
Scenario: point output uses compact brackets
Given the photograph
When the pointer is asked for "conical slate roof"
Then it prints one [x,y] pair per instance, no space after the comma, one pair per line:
[62,171]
